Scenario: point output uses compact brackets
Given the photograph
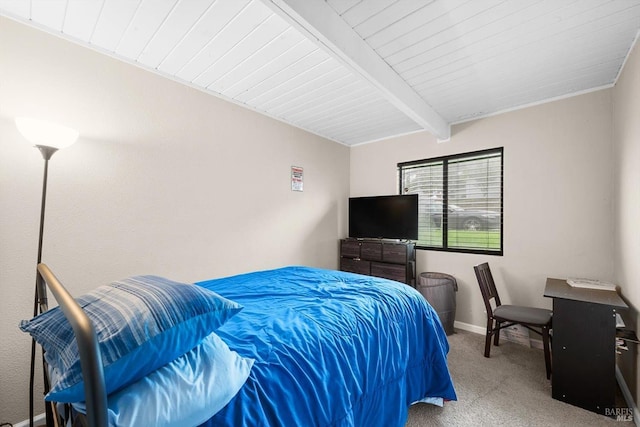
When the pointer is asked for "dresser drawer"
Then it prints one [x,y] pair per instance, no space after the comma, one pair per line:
[355,266]
[397,272]
[394,253]
[350,248]
[371,251]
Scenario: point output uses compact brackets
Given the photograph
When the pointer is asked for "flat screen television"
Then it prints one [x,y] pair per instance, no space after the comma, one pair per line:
[384,217]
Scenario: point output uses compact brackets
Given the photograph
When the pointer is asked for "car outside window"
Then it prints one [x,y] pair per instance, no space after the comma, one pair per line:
[460,201]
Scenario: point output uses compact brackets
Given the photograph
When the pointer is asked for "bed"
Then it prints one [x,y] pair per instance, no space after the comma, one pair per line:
[305,347]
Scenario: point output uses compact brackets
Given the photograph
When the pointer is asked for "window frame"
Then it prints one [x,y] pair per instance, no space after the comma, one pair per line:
[445,198]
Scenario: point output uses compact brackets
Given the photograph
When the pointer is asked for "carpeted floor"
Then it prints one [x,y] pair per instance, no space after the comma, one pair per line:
[508,389]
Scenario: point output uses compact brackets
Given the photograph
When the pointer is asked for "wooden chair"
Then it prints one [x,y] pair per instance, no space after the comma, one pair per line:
[501,316]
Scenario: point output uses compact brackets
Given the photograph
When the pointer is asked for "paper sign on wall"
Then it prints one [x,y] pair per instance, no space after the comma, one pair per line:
[296,178]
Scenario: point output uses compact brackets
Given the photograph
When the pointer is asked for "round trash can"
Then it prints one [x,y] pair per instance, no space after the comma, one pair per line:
[440,290]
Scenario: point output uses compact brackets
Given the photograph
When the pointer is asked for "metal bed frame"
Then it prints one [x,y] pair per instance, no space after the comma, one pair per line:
[89,351]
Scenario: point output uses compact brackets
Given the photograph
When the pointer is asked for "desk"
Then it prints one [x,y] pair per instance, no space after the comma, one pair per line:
[584,349]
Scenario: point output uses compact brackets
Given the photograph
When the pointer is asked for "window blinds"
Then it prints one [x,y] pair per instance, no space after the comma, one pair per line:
[460,200]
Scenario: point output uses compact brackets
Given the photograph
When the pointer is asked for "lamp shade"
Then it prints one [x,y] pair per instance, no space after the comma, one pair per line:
[46,134]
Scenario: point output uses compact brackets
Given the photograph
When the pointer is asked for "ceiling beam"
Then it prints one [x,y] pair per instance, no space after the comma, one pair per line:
[319,21]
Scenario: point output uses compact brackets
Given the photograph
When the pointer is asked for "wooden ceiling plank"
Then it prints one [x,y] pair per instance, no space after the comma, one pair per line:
[233,32]
[173,30]
[244,49]
[50,13]
[534,97]
[289,80]
[80,19]
[328,101]
[338,107]
[319,20]
[146,22]
[365,10]
[258,61]
[363,119]
[201,33]
[372,123]
[367,112]
[380,131]
[342,113]
[446,19]
[341,6]
[553,53]
[310,96]
[467,106]
[113,22]
[309,92]
[269,30]
[18,9]
[388,17]
[293,91]
[272,68]
[469,31]
[422,17]
[280,79]
[510,85]
[485,46]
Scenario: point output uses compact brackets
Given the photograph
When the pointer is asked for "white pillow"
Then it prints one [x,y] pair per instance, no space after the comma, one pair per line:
[185,392]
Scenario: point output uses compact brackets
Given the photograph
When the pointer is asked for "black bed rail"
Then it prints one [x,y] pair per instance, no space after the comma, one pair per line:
[90,357]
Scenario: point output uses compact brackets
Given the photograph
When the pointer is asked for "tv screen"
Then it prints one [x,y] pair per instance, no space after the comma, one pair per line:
[386,217]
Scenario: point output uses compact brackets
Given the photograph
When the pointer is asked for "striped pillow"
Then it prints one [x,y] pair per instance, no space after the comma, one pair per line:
[142,323]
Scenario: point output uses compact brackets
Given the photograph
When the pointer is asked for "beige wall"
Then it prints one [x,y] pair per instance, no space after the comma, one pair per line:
[164,180]
[626,176]
[557,196]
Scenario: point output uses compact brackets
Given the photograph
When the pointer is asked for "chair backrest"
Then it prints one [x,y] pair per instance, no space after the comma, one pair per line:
[487,287]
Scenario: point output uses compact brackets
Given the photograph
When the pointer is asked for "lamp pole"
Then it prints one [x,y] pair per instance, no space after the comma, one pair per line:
[41,294]
[48,138]
[40,304]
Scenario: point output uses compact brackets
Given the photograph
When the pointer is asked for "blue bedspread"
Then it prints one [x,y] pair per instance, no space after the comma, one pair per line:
[331,349]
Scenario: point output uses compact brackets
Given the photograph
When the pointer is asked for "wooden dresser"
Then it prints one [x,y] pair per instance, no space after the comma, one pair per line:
[395,260]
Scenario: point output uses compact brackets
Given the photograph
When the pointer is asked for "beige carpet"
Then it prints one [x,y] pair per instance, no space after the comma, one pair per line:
[508,389]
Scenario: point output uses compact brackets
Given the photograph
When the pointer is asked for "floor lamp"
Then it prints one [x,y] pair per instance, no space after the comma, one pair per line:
[48,138]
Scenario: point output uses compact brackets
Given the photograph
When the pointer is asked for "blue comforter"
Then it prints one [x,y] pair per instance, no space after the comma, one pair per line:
[331,349]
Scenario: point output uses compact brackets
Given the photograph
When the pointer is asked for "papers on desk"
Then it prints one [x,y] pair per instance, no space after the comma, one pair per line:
[591,284]
[621,345]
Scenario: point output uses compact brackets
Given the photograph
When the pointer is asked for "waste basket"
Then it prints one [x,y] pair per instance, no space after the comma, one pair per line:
[440,290]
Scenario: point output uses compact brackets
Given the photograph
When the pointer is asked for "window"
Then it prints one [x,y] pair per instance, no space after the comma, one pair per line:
[460,201]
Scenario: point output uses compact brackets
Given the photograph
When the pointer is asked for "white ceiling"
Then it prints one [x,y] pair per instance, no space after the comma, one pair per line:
[356,71]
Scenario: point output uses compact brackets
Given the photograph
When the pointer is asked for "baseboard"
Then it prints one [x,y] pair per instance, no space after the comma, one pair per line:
[535,343]
[469,327]
[36,419]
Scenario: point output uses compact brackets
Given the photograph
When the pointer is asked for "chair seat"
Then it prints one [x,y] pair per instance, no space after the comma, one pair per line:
[520,314]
